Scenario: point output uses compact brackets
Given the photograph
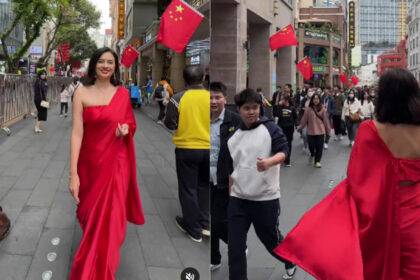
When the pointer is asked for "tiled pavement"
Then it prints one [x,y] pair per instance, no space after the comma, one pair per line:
[33,192]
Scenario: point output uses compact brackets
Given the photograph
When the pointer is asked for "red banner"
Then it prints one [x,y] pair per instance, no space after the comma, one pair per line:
[129,56]
[285,37]
[177,24]
[305,68]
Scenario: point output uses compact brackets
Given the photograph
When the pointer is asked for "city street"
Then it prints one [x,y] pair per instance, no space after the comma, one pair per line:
[33,192]
[301,187]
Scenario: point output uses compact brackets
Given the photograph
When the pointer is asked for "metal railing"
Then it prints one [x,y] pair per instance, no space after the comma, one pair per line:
[197,3]
[17,97]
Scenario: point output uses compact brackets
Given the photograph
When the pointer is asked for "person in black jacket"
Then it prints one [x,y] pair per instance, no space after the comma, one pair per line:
[223,124]
[40,94]
[287,120]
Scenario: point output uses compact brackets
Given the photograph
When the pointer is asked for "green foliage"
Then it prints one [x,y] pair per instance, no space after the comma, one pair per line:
[59,17]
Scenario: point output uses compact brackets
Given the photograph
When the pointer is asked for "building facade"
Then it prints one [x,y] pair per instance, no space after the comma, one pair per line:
[413,48]
[396,58]
[15,39]
[240,53]
[377,30]
[157,61]
[322,38]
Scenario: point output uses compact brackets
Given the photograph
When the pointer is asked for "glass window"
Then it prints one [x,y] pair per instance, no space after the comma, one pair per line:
[317,54]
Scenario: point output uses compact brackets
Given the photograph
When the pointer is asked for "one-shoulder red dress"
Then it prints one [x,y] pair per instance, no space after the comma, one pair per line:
[368,227]
[109,194]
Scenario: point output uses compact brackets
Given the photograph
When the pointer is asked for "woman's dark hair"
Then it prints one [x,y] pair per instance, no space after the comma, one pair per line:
[354,92]
[398,98]
[318,107]
[90,78]
[218,86]
[247,96]
[362,98]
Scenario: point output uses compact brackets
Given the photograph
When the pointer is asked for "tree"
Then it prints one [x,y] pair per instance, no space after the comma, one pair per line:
[32,15]
[70,25]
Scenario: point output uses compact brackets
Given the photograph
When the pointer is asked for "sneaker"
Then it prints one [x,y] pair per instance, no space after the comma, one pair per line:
[325,146]
[340,137]
[318,165]
[311,159]
[65,115]
[288,165]
[205,232]
[159,122]
[215,266]
[336,138]
[290,272]
[180,223]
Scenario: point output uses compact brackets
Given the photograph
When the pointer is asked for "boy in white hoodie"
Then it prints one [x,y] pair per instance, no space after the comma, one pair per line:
[256,151]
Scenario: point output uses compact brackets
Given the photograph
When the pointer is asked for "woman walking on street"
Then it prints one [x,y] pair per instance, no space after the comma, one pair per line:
[40,95]
[287,120]
[352,115]
[316,119]
[103,168]
[368,109]
[368,227]
[64,100]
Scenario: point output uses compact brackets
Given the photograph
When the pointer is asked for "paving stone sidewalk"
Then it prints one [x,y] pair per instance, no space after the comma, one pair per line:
[33,192]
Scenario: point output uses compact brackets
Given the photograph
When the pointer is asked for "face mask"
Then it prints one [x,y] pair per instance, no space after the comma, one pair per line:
[42,76]
[351,96]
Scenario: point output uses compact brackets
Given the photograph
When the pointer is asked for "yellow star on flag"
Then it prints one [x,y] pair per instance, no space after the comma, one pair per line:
[179,9]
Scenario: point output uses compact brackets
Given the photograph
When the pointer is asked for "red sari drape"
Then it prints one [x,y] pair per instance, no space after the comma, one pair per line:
[368,227]
[109,195]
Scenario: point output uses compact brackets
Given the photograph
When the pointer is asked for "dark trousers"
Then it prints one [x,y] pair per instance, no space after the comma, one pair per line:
[352,128]
[161,111]
[288,131]
[264,216]
[65,107]
[219,201]
[337,125]
[192,168]
[316,146]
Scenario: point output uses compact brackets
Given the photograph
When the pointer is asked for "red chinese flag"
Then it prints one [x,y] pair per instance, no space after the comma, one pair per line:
[129,56]
[64,50]
[354,80]
[343,78]
[305,68]
[283,38]
[177,24]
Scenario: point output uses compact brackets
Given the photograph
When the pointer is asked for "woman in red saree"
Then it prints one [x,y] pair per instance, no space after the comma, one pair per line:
[103,169]
[368,227]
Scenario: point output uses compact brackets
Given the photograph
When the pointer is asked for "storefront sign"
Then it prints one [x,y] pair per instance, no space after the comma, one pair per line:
[319,69]
[316,35]
[336,39]
[121,19]
[35,50]
[352,29]
[195,60]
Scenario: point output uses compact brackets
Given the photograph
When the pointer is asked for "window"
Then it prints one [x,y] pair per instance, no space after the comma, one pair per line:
[317,54]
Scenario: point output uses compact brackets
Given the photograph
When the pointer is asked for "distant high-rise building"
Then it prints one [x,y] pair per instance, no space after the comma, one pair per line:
[381,26]
[413,48]
[15,39]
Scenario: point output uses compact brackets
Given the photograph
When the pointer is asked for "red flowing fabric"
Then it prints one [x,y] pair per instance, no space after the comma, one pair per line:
[368,227]
[109,194]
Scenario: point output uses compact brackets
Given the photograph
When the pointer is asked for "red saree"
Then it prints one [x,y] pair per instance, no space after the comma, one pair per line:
[109,194]
[368,227]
